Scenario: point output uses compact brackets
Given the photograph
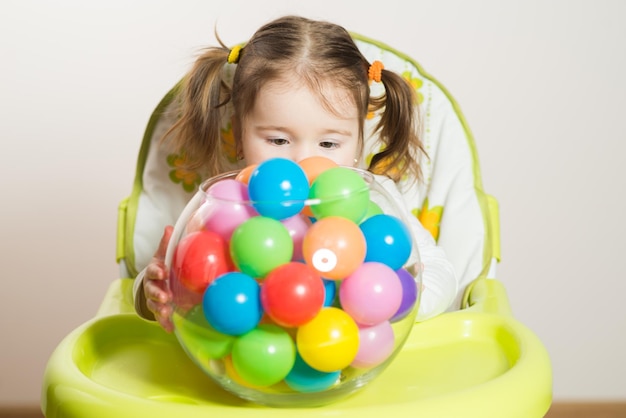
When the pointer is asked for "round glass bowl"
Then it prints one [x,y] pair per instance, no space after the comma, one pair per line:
[293,284]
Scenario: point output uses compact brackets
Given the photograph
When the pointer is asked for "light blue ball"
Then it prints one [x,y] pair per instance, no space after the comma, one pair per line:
[330,289]
[388,240]
[232,303]
[278,188]
[304,378]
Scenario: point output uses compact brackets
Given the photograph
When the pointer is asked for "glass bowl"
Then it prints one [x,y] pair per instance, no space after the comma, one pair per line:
[293,284]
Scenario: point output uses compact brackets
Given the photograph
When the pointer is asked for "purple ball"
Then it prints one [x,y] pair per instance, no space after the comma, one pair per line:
[409,294]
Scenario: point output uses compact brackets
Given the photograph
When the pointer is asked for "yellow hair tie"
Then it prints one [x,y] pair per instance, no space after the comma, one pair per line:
[233,55]
[375,71]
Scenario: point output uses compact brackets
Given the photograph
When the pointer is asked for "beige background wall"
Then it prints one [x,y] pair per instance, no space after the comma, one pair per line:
[542,84]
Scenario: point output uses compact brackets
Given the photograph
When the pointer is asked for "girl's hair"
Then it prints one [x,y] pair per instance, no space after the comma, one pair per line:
[320,54]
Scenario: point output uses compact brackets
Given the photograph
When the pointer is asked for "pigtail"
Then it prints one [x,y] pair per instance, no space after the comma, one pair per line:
[397,129]
[203,94]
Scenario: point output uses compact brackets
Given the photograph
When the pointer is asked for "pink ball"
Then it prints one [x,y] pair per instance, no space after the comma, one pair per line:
[372,294]
[227,207]
[297,226]
[375,345]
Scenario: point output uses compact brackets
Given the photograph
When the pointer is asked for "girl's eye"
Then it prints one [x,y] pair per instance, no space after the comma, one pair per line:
[329,145]
[278,141]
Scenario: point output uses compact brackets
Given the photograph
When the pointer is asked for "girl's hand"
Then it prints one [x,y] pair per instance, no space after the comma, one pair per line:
[158,296]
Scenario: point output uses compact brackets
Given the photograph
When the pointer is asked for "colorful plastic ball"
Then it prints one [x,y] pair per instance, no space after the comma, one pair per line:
[278,188]
[297,226]
[232,303]
[199,258]
[264,356]
[201,339]
[330,341]
[409,294]
[245,173]
[330,287]
[372,209]
[227,207]
[259,245]
[304,378]
[197,219]
[292,294]
[182,297]
[229,368]
[340,191]
[314,166]
[372,294]
[334,246]
[376,344]
[388,240]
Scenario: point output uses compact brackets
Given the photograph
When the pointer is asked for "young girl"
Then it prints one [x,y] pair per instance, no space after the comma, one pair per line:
[301,88]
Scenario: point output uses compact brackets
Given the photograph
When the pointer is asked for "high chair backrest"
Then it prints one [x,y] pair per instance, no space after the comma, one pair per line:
[450,202]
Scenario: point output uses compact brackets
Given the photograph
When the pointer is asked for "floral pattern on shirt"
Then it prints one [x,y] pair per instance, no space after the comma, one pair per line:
[189,179]
[416,83]
[430,218]
[228,144]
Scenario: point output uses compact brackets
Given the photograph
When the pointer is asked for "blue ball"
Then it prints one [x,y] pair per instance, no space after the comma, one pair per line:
[388,240]
[304,378]
[232,303]
[278,188]
[330,288]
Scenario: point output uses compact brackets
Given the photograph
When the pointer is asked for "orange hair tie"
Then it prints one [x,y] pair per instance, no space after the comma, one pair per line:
[375,71]
[233,55]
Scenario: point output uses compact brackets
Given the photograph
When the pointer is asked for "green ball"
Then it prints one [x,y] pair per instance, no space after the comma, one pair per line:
[340,191]
[200,339]
[264,356]
[259,245]
[372,209]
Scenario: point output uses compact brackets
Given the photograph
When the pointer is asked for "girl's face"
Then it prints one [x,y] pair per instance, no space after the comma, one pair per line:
[290,121]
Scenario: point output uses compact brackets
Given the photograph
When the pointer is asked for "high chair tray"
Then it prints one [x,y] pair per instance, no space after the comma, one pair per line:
[465,363]
[476,362]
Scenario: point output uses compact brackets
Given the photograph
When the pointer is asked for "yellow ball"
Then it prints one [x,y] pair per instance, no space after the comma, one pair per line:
[330,341]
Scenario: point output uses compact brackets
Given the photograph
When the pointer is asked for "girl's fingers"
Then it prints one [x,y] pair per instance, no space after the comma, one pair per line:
[162,314]
[157,291]
[155,288]
[156,268]
[165,239]
[163,317]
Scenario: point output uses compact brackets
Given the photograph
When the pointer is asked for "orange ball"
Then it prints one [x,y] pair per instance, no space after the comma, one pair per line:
[244,175]
[334,246]
[232,373]
[313,166]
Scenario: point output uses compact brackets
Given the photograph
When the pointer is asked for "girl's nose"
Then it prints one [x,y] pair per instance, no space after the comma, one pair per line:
[303,151]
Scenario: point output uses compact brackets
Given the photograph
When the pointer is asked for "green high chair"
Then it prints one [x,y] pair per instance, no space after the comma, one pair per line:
[476,360]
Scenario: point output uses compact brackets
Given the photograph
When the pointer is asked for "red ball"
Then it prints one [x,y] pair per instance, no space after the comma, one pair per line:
[200,258]
[292,294]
